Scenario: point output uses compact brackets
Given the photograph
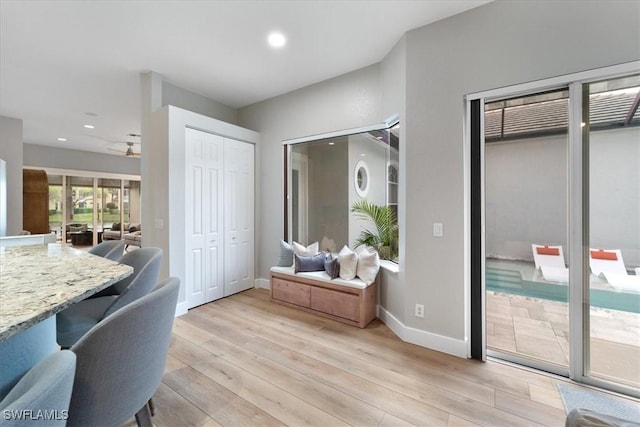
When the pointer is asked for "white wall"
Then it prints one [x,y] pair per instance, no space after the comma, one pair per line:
[345,102]
[499,44]
[375,157]
[614,192]
[526,196]
[11,152]
[61,158]
[526,193]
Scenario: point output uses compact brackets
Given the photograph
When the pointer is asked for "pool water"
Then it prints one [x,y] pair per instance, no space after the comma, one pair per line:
[511,282]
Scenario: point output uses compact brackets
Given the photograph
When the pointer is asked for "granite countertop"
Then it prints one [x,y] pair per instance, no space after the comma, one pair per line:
[39,281]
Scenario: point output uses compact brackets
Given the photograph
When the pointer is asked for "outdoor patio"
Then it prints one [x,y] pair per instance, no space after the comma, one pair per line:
[539,329]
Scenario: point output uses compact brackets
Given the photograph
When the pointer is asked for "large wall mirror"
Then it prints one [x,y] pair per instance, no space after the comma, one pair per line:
[328,175]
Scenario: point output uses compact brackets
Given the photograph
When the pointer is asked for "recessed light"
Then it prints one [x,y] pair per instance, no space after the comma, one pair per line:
[277,40]
[89,126]
[62,139]
[363,155]
[332,143]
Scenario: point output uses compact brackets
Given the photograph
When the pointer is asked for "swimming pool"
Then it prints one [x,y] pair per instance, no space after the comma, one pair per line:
[511,282]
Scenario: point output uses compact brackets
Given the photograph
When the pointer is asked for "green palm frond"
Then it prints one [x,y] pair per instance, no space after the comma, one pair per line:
[385,236]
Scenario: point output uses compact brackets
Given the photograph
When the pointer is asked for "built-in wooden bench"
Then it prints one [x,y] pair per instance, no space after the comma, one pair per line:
[347,301]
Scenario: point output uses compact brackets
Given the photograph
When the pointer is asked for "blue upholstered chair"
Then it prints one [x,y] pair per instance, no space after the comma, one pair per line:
[42,395]
[121,361]
[110,249]
[73,322]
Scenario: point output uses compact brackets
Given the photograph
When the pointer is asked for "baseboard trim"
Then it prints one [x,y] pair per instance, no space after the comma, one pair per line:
[181,308]
[262,283]
[422,338]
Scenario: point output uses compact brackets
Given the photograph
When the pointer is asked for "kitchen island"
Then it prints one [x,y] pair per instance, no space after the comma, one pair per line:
[36,282]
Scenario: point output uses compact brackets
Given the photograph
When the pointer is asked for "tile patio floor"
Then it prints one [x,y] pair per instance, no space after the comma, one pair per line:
[539,329]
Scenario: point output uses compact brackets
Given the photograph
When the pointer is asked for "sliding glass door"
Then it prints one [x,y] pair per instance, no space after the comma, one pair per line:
[526,183]
[612,135]
[559,234]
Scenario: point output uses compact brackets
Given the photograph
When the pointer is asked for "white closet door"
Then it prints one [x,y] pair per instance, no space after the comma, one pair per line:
[203,186]
[239,216]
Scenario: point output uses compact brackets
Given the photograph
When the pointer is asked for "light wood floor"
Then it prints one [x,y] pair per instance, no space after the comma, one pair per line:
[244,361]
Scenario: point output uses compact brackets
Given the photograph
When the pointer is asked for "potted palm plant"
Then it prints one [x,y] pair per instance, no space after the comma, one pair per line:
[384,238]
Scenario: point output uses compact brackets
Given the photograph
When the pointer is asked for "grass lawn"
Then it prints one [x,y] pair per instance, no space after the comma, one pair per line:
[86,218]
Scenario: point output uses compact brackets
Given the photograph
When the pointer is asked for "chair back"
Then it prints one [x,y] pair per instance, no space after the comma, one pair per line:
[146,263]
[121,360]
[606,261]
[44,390]
[550,256]
[109,249]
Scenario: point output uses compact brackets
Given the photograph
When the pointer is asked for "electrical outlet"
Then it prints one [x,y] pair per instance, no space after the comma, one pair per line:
[419,310]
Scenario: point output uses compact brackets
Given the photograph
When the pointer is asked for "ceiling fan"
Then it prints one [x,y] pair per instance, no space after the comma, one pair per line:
[129,152]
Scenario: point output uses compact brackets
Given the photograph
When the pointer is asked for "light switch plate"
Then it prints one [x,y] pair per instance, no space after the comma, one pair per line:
[438,230]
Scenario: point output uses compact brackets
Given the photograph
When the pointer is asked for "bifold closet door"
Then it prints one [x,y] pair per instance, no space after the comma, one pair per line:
[238,216]
[203,217]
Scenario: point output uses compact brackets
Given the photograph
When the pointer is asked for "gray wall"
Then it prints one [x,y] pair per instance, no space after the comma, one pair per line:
[11,152]
[498,44]
[191,101]
[345,102]
[61,158]
[328,195]
[526,193]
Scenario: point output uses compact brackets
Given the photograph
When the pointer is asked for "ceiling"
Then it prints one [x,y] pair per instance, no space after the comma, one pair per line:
[64,64]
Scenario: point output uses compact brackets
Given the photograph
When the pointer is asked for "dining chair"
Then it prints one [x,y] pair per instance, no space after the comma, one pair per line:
[109,249]
[121,361]
[73,322]
[42,395]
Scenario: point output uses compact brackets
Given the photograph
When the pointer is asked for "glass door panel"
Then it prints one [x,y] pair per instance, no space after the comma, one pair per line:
[80,204]
[109,205]
[612,125]
[526,249]
[55,204]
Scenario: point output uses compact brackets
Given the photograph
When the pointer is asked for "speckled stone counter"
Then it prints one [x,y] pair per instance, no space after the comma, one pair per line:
[39,281]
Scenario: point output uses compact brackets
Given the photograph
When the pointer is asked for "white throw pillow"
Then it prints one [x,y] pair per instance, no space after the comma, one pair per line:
[310,250]
[348,261]
[368,264]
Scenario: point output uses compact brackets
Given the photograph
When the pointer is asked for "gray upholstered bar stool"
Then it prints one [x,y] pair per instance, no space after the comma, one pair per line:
[110,249]
[44,390]
[121,361]
[73,322]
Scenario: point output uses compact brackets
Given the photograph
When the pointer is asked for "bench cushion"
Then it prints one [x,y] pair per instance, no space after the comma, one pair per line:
[322,276]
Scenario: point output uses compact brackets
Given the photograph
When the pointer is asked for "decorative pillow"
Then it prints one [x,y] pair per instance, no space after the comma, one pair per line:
[115,226]
[285,259]
[310,250]
[368,265]
[331,266]
[348,261]
[314,263]
[133,228]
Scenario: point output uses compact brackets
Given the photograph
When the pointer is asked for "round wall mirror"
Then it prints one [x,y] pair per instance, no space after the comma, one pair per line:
[361,178]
